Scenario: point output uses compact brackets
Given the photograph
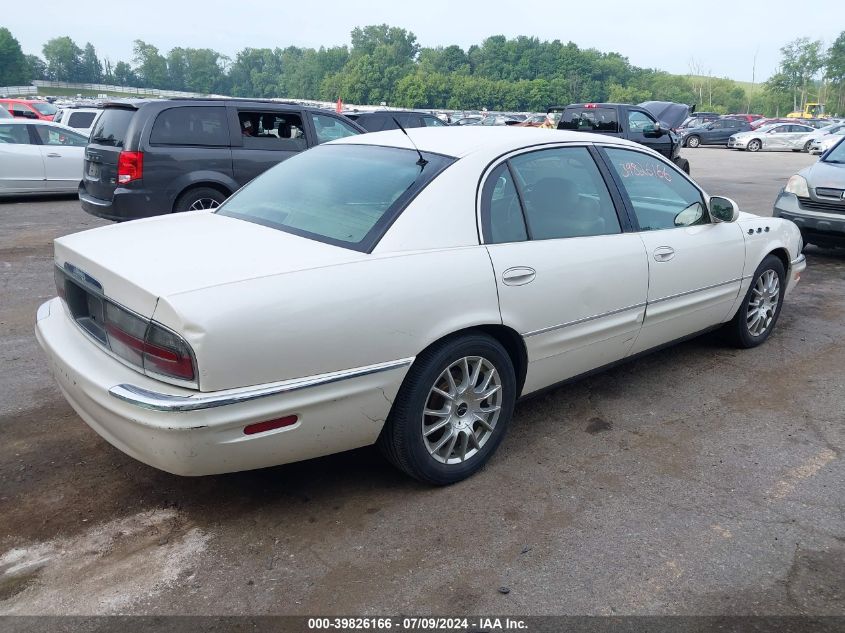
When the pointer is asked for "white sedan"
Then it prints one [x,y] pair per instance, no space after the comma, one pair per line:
[367,291]
[776,136]
[39,157]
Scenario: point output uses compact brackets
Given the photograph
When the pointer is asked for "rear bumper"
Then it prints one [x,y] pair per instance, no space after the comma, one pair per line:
[153,427]
[126,204]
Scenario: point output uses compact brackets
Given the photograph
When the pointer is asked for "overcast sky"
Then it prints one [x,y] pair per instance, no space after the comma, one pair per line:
[722,37]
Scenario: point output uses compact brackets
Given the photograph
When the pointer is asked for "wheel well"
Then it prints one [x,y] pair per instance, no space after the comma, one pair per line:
[196,185]
[509,339]
[783,256]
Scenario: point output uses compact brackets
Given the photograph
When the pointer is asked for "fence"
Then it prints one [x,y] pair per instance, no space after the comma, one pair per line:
[151,92]
[18,90]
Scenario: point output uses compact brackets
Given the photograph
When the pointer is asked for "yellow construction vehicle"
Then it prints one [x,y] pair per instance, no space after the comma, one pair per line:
[811,111]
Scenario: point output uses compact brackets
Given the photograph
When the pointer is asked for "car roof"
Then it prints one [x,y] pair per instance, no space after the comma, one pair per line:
[462,141]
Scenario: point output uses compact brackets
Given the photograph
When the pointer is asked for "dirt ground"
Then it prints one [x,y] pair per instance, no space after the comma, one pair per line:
[697,480]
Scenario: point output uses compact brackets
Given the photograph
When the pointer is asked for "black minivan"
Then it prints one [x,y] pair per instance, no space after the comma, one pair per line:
[153,157]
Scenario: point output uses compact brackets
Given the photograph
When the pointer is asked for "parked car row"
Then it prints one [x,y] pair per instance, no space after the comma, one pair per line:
[29,108]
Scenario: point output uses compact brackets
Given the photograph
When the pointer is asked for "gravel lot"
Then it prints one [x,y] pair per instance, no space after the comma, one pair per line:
[697,480]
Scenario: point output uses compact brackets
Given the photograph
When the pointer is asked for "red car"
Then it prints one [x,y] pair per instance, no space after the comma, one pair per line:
[765,121]
[29,108]
[744,117]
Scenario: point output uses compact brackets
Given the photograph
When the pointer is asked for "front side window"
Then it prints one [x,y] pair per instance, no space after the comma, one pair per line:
[14,134]
[45,108]
[562,193]
[191,125]
[637,121]
[346,195]
[330,128]
[56,136]
[272,130]
[433,121]
[660,196]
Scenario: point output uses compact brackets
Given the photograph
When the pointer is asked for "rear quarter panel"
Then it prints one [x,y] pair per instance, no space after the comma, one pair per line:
[326,319]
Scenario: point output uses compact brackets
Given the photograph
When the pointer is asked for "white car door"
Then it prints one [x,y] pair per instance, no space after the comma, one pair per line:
[570,281]
[21,163]
[63,151]
[695,264]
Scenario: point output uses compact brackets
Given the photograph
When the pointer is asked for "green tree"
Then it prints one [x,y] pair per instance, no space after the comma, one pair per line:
[150,65]
[124,75]
[64,59]
[92,68]
[835,71]
[801,60]
[13,66]
[36,68]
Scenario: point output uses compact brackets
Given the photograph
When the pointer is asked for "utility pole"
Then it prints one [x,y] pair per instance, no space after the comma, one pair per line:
[753,77]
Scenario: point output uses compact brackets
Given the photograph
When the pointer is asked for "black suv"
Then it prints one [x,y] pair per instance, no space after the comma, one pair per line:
[384,119]
[147,158]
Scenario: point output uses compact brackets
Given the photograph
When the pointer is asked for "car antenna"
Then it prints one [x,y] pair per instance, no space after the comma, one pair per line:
[422,162]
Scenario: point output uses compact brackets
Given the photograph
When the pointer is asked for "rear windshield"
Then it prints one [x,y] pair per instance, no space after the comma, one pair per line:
[44,108]
[111,126]
[81,119]
[346,195]
[589,120]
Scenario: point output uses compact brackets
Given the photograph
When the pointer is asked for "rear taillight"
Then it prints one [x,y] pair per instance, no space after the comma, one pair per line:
[130,166]
[147,345]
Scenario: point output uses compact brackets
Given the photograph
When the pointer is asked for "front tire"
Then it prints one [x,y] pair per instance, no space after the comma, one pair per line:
[693,141]
[757,315]
[754,145]
[452,410]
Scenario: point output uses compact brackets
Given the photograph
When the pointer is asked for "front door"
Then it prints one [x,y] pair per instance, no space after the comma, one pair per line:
[64,155]
[695,265]
[638,121]
[569,280]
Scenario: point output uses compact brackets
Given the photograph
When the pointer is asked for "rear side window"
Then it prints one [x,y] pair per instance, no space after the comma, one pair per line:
[272,130]
[589,120]
[191,125]
[81,119]
[111,126]
[501,210]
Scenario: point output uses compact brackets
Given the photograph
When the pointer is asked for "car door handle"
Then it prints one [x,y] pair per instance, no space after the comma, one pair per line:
[52,155]
[518,276]
[663,253]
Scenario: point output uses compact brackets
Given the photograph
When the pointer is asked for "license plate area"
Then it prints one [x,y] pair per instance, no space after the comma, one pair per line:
[93,171]
[87,309]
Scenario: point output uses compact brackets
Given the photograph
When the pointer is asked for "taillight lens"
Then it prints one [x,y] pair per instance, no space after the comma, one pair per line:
[130,166]
[147,345]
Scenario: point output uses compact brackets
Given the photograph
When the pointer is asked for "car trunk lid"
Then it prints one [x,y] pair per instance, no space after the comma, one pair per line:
[137,262]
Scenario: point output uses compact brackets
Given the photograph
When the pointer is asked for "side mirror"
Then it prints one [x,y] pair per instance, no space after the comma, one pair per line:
[723,209]
[652,131]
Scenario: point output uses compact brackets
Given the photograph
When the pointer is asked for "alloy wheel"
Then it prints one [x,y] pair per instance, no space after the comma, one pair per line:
[763,303]
[461,410]
[203,204]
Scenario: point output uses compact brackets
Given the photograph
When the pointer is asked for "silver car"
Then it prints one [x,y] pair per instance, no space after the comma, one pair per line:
[777,136]
[824,143]
[804,142]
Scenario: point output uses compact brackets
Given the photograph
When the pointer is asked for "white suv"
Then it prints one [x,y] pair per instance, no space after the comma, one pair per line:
[81,119]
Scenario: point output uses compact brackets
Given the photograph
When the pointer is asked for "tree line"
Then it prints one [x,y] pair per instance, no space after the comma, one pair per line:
[387,64]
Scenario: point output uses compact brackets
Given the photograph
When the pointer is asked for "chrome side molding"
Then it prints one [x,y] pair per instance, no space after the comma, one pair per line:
[157,401]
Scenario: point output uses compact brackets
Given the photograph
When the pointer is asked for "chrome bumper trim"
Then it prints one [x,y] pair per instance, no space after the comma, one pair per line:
[167,402]
[798,260]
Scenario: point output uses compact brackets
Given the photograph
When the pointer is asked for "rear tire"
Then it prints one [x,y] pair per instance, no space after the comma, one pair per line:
[757,315]
[444,396]
[199,198]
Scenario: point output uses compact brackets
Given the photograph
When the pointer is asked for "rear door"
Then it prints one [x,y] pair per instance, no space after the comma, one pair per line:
[21,163]
[107,140]
[264,137]
[695,265]
[570,281]
[64,154]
